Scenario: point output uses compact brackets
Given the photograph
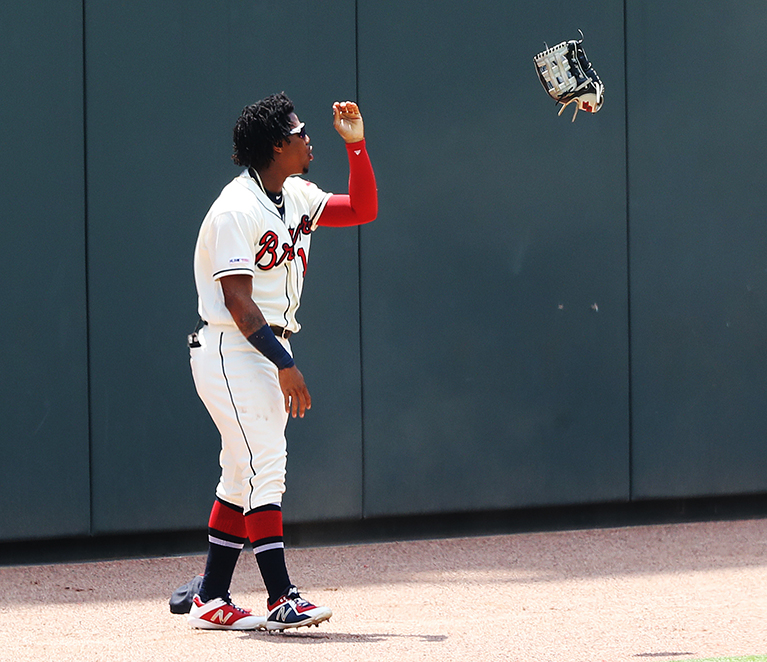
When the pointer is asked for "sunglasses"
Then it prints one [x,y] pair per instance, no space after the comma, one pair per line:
[299,131]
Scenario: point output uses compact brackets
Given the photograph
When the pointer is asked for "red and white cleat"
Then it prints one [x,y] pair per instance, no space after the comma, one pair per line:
[218,614]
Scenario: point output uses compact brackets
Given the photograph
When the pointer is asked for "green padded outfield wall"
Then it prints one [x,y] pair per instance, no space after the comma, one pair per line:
[698,227]
[494,310]
[44,461]
[166,82]
[545,312]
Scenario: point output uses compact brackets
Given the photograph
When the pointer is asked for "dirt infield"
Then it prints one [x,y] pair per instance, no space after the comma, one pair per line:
[670,592]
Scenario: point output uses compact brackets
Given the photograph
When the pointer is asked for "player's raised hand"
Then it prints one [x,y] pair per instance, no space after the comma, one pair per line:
[347,120]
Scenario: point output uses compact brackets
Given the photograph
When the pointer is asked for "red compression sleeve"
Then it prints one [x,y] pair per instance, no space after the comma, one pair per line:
[361,205]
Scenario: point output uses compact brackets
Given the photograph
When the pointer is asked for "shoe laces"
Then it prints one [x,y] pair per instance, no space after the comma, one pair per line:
[295,596]
[228,601]
[292,593]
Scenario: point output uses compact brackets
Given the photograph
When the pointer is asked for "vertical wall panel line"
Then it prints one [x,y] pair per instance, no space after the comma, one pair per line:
[87,277]
[628,250]
[359,274]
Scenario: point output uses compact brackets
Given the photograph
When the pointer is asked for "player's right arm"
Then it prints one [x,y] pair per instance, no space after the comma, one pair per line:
[238,299]
[361,204]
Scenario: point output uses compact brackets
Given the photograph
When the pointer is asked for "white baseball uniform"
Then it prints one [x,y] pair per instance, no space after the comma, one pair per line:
[244,233]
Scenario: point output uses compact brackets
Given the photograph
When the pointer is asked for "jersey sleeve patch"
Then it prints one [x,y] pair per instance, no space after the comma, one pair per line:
[237,265]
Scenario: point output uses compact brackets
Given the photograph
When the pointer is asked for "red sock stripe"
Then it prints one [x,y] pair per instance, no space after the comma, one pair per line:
[227,520]
[264,524]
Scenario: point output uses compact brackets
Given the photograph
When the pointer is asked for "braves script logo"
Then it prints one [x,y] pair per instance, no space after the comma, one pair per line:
[275,254]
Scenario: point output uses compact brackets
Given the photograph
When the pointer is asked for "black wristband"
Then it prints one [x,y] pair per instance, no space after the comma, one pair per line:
[266,342]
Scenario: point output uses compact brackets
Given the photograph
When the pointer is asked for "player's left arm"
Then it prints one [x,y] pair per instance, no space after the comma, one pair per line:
[361,204]
[238,299]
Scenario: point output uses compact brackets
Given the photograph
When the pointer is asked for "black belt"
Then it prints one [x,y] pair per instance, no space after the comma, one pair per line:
[280,332]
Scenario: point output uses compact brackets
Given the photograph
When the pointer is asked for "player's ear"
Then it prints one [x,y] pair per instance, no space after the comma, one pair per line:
[278,148]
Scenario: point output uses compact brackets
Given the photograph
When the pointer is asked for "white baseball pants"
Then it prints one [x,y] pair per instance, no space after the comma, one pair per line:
[241,391]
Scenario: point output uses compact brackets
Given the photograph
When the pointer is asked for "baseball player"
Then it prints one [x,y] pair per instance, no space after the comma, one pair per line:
[249,264]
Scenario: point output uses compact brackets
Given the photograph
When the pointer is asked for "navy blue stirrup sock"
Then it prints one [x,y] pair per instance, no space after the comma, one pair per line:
[226,538]
[219,569]
[274,573]
[264,525]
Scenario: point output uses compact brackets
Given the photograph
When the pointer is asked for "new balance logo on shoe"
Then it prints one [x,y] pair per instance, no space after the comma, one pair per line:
[220,614]
[292,611]
[283,613]
[220,617]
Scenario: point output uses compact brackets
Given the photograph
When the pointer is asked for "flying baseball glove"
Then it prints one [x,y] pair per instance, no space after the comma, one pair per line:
[567,75]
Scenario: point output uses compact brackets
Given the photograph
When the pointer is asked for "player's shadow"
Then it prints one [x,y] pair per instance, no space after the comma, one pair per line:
[287,637]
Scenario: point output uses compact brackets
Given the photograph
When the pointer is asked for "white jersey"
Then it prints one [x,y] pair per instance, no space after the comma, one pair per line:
[243,233]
